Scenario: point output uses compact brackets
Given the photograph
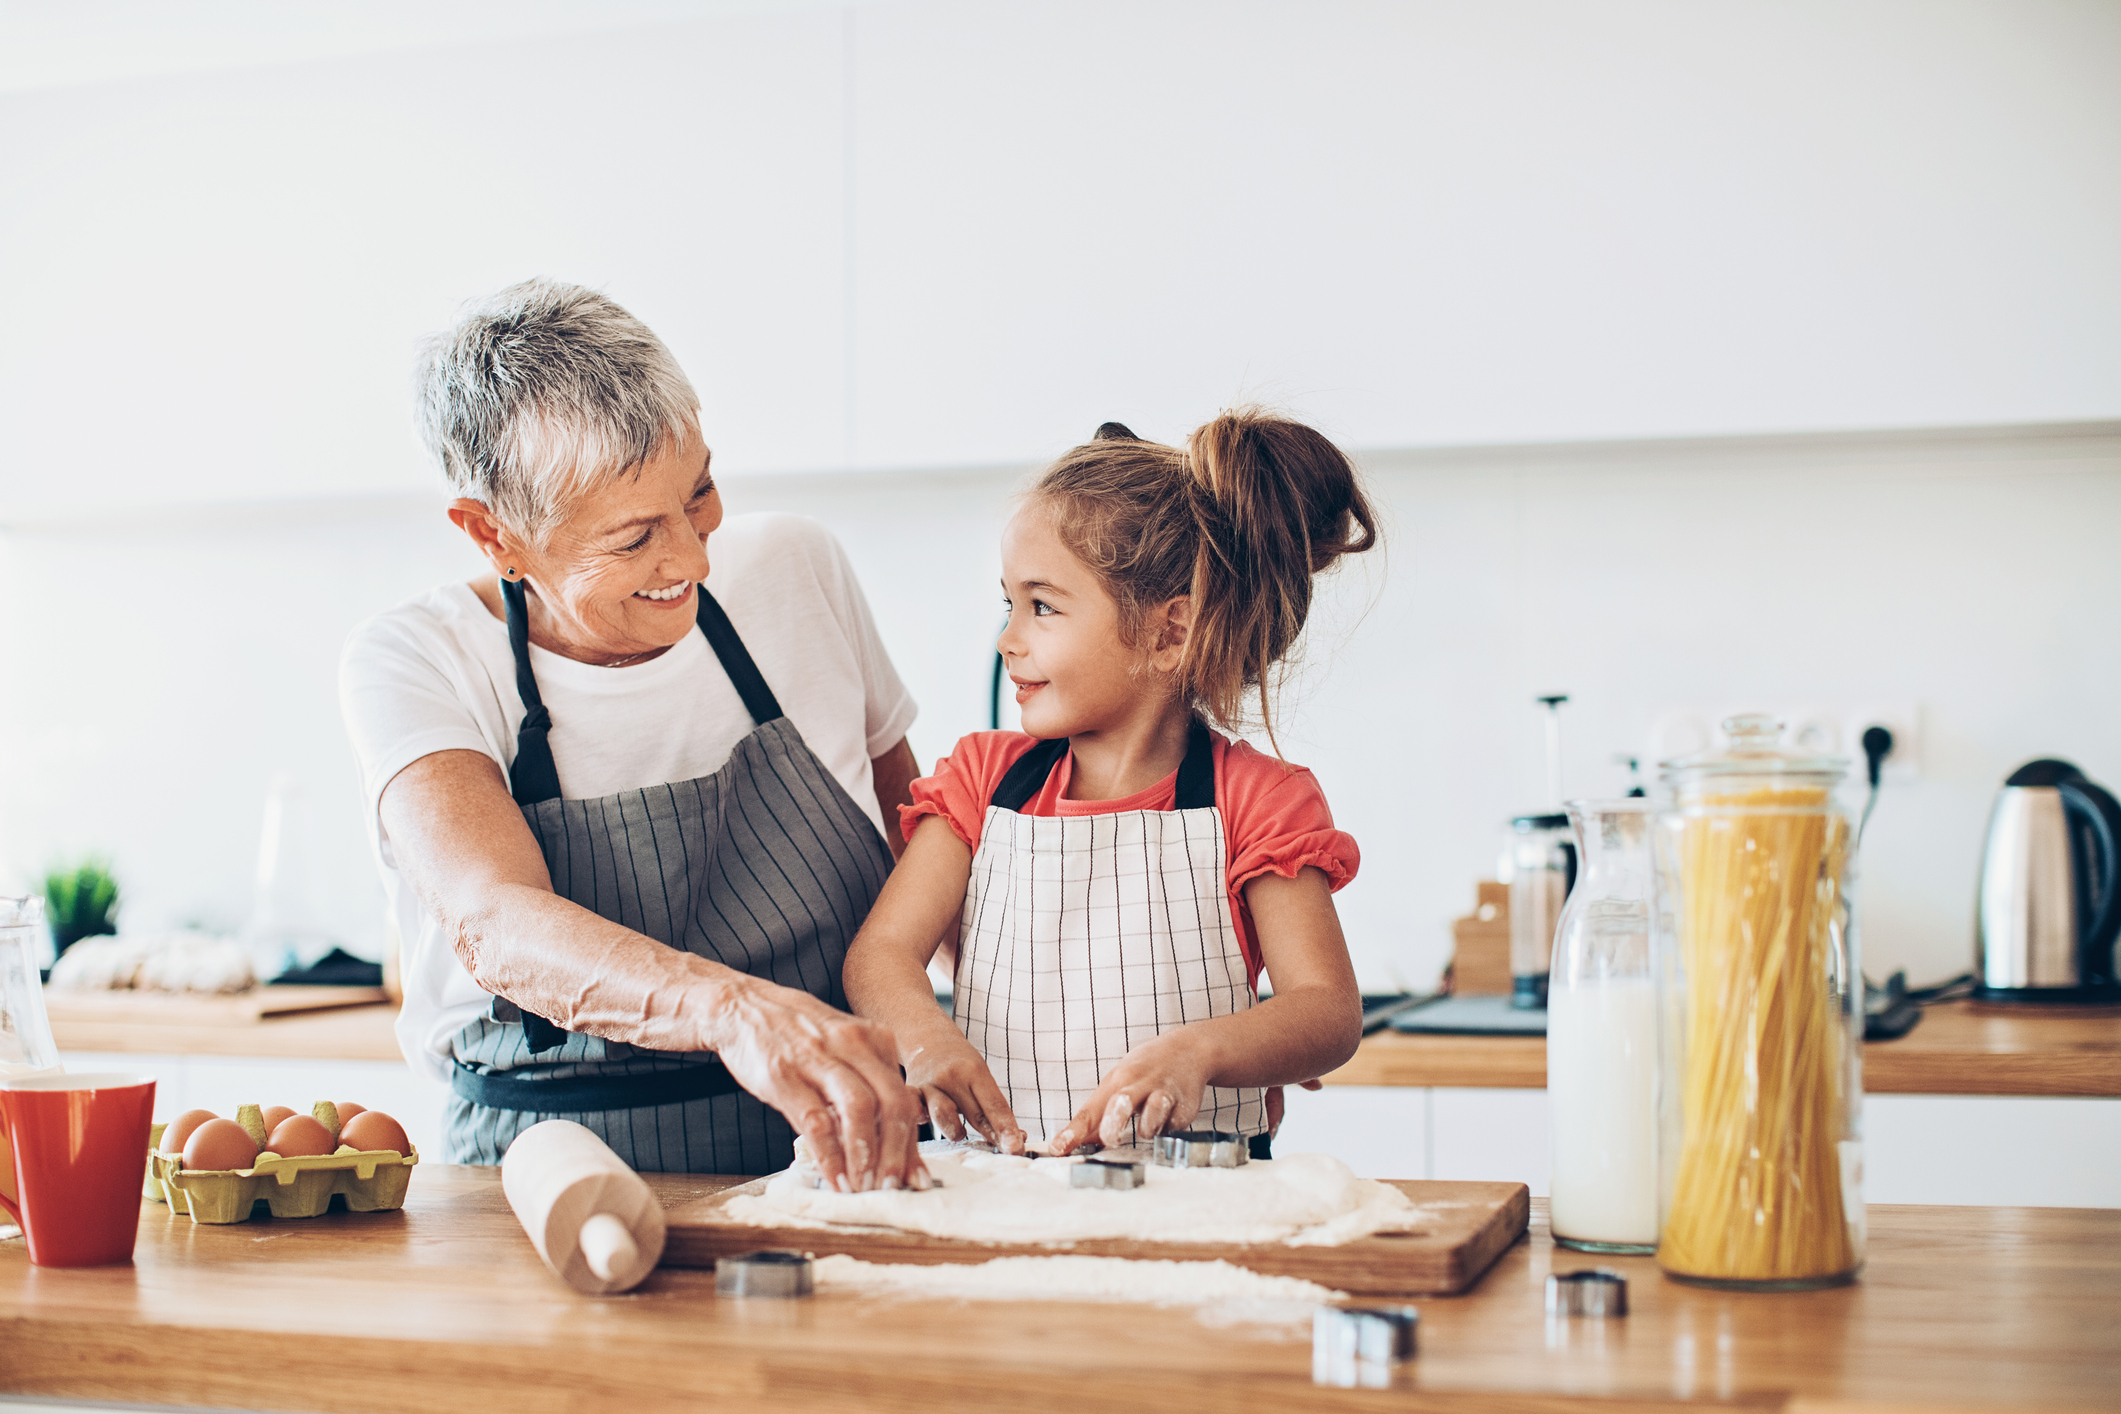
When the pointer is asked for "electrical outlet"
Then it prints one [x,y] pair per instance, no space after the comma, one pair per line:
[1903,720]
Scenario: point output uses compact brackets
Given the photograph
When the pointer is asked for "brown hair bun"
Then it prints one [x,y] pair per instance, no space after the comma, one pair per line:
[1242,520]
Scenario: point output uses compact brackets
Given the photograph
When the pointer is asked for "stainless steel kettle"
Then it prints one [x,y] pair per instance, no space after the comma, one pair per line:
[2050,901]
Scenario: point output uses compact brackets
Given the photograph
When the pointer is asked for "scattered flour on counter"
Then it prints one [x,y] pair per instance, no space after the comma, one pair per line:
[1303,1200]
[1073,1279]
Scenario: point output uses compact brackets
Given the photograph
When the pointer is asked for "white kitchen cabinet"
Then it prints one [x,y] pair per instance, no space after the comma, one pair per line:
[2035,1151]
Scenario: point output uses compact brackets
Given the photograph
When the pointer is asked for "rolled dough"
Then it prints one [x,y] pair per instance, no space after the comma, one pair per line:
[1303,1200]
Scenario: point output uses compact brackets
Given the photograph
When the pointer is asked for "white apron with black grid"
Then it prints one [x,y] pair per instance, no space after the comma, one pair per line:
[767,866]
[1085,935]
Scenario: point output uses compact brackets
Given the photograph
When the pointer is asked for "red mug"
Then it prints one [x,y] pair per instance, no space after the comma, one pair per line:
[79,1141]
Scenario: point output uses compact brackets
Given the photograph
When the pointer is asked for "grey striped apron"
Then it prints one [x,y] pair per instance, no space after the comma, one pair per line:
[767,866]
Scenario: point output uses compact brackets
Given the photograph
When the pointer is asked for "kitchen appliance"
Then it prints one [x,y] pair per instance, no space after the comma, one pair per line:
[1540,868]
[2049,907]
[1542,871]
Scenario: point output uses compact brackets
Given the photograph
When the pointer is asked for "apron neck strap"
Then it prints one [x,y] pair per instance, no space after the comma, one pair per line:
[750,683]
[1030,771]
[1196,774]
[534,776]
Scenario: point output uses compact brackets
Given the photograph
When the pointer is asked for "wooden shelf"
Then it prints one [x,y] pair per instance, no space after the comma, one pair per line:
[1960,1048]
[446,1305]
[350,1033]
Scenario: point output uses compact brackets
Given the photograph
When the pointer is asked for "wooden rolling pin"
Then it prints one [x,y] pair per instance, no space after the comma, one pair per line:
[591,1218]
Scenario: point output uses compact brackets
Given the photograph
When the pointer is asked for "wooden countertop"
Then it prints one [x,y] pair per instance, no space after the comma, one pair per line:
[349,1033]
[445,1306]
[1960,1048]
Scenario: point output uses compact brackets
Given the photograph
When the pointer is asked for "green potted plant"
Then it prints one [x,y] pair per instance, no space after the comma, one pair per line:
[80,902]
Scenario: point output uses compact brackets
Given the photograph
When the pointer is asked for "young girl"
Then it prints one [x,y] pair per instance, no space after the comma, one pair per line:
[1114,879]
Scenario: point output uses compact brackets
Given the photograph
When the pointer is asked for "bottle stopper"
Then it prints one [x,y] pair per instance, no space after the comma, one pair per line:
[782,1274]
[1359,1346]
[1202,1149]
[1598,1291]
[1108,1173]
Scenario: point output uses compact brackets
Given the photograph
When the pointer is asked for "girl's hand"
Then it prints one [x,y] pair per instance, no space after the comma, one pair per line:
[957,1089]
[1156,1087]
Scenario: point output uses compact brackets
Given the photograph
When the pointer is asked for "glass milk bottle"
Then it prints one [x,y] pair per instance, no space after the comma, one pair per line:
[25,1031]
[1761,1007]
[1602,1039]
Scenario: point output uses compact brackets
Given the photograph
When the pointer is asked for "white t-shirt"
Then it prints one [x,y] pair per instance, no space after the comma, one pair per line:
[435,674]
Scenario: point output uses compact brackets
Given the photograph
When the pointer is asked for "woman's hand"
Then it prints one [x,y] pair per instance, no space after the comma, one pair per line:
[834,1076]
[957,1089]
[1155,1087]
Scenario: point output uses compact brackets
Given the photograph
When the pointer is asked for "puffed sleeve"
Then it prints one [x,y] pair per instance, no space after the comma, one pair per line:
[963,782]
[1278,820]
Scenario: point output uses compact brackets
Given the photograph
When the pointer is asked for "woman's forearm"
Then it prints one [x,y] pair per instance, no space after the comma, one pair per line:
[558,960]
[462,844]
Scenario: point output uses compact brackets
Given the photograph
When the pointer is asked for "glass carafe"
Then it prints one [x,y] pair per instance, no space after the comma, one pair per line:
[1602,1039]
[25,1031]
[1761,1005]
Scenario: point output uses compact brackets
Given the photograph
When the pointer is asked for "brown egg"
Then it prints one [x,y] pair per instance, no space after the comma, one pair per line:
[272,1116]
[371,1129]
[299,1137]
[219,1144]
[347,1110]
[181,1128]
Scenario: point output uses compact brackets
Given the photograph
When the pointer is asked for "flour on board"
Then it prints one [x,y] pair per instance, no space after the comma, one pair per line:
[1303,1200]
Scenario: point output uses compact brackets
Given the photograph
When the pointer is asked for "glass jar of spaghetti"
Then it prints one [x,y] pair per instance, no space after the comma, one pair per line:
[1761,1019]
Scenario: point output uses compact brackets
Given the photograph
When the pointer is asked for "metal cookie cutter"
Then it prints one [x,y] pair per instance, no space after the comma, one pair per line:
[1202,1149]
[1359,1346]
[762,1274]
[1599,1291]
[1108,1173]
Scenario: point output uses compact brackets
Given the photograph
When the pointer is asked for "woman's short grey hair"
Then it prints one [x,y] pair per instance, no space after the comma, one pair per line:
[543,390]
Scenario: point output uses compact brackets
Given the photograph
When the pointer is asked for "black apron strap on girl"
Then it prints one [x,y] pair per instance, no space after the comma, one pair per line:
[534,777]
[1030,771]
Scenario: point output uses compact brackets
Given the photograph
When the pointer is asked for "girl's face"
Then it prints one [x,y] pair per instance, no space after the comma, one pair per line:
[1073,671]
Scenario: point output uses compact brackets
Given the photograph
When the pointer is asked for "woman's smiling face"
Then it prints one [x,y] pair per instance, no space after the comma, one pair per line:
[616,578]
[1073,671]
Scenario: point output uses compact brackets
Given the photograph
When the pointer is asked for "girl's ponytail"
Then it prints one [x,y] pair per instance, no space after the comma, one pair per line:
[1241,520]
[1275,504]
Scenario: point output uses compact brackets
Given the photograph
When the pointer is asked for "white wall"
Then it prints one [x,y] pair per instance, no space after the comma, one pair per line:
[1971,574]
[898,242]
[924,234]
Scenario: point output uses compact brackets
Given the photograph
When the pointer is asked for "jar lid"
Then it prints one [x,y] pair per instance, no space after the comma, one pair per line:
[1755,749]
[1531,824]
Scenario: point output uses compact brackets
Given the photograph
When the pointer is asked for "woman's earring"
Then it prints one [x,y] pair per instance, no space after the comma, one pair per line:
[511,572]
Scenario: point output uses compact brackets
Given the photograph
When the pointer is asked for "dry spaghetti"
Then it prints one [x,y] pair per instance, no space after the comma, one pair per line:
[1766,1079]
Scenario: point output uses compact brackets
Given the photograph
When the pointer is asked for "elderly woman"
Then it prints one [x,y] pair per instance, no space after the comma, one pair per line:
[630,813]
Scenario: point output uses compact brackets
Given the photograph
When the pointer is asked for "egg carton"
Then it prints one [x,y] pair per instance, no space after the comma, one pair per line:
[371,1180]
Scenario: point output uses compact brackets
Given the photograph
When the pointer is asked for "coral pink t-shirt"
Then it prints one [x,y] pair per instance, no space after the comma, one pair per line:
[1275,818]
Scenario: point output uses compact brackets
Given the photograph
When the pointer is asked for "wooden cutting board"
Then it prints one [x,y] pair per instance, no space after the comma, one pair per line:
[201,1008]
[1476,1222]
